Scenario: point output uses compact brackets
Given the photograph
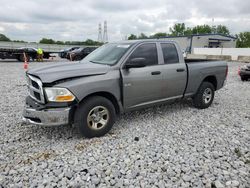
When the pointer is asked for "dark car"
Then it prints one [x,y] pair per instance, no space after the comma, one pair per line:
[64,52]
[244,72]
[79,54]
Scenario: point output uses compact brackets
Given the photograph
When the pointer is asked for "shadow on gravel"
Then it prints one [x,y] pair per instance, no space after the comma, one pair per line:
[67,132]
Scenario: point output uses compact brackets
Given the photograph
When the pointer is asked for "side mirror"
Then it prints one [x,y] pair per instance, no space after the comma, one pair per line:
[135,63]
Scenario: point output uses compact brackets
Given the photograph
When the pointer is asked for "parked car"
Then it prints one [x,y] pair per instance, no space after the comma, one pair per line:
[18,53]
[116,78]
[79,54]
[63,53]
[244,72]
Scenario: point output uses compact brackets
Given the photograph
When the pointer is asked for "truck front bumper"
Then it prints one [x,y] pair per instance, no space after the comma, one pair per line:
[46,117]
[46,114]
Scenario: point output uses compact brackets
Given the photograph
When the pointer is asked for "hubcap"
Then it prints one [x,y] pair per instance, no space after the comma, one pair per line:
[98,117]
[207,95]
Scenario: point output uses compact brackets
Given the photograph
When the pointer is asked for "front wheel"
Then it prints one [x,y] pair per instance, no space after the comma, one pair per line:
[95,117]
[204,96]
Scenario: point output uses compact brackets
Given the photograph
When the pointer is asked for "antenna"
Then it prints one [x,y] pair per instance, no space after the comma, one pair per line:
[105,33]
[100,33]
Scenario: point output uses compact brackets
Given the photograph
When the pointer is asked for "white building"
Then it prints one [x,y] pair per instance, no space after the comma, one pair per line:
[188,43]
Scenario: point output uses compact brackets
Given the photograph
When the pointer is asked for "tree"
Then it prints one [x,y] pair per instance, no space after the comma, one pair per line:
[4,38]
[178,29]
[202,29]
[22,41]
[142,36]
[243,40]
[47,41]
[158,35]
[132,37]
[59,42]
[222,29]
[188,31]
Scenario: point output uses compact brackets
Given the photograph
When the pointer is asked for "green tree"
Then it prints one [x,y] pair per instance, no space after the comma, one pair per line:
[142,36]
[222,29]
[59,42]
[4,38]
[89,42]
[132,37]
[188,31]
[243,40]
[158,35]
[178,29]
[202,29]
[47,41]
[19,41]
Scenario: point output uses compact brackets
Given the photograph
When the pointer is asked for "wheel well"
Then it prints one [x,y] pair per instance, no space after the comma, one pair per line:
[108,96]
[212,80]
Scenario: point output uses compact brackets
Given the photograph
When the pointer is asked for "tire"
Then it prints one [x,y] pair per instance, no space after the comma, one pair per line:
[204,96]
[21,58]
[243,78]
[95,117]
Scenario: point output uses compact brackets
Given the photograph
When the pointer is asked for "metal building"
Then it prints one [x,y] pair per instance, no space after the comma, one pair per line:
[188,43]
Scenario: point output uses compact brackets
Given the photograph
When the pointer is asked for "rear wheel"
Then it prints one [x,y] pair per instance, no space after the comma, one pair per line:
[243,78]
[204,96]
[95,117]
[22,58]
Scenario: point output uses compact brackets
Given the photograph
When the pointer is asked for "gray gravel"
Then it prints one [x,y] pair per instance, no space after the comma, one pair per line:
[168,146]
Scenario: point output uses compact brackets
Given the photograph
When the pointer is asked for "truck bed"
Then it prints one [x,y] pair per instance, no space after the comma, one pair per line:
[200,69]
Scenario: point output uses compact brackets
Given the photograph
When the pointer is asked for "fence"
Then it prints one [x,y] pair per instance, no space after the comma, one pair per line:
[235,53]
[45,47]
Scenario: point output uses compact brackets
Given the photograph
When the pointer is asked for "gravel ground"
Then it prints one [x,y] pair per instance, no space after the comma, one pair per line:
[168,146]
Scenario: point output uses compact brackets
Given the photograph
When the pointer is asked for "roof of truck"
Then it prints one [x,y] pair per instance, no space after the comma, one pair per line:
[143,40]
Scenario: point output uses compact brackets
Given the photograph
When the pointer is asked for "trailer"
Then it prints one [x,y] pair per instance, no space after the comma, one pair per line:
[21,53]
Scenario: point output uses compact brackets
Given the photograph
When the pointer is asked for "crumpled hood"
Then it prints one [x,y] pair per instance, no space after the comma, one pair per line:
[60,71]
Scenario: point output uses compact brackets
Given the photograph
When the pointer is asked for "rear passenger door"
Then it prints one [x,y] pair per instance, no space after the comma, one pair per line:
[174,71]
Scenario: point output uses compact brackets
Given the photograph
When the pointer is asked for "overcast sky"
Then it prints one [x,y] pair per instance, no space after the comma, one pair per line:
[31,20]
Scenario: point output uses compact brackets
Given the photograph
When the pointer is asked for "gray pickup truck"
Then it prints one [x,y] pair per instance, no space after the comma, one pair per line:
[116,78]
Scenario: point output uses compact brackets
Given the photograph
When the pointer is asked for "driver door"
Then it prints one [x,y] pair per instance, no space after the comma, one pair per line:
[142,85]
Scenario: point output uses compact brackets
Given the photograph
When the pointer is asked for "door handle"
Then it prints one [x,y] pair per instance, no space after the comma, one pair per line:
[180,70]
[156,72]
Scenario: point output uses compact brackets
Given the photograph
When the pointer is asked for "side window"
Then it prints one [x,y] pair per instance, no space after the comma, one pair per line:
[148,52]
[169,53]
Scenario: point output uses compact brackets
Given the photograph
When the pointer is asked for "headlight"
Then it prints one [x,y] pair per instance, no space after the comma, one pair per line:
[59,95]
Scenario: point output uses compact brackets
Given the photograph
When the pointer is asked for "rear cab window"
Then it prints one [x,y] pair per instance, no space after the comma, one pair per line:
[170,53]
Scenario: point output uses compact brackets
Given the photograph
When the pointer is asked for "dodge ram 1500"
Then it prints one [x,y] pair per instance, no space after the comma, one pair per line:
[116,78]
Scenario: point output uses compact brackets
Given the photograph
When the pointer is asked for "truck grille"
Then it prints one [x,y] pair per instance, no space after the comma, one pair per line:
[35,89]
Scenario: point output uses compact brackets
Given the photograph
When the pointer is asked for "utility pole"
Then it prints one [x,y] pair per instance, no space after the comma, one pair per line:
[213,26]
[99,33]
[105,33]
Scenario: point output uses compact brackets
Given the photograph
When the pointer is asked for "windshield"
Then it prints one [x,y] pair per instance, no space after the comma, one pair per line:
[77,50]
[108,54]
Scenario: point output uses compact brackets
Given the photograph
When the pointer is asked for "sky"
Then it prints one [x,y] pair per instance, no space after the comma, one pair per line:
[71,20]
